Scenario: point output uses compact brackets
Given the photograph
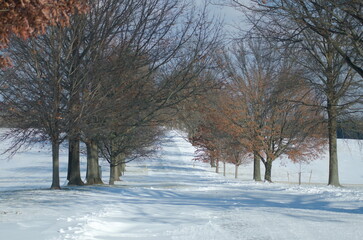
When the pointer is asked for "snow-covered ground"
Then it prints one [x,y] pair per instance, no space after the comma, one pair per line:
[171,197]
[350,157]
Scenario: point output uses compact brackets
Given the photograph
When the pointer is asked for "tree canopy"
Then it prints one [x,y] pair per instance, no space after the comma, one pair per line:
[27,18]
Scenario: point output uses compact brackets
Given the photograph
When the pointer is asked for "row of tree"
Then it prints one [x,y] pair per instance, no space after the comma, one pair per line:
[287,83]
[119,72]
[110,79]
[257,113]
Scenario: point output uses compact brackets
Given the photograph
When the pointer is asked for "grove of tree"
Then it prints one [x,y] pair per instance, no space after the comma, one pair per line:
[107,79]
[327,38]
[110,76]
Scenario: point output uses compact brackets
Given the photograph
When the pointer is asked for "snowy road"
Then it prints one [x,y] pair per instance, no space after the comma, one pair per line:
[169,198]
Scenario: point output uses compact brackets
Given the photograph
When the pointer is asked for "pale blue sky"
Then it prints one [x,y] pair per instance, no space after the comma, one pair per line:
[230,15]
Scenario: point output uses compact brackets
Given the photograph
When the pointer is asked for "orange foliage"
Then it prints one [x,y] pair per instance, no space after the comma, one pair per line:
[212,140]
[271,120]
[263,108]
[26,18]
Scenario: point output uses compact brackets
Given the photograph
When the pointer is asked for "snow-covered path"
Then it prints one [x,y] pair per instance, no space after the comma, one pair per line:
[169,197]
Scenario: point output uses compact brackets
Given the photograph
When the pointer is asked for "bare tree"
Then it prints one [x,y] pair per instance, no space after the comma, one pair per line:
[155,51]
[328,37]
[323,17]
[32,95]
[263,110]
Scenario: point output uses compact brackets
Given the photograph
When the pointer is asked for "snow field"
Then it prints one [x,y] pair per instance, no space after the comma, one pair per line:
[350,156]
[171,197]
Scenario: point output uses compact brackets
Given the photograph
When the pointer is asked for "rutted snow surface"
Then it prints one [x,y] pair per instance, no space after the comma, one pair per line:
[170,197]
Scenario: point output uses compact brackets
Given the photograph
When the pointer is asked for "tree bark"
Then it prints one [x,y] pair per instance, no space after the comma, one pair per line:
[217,165]
[333,156]
[268,170]
[120,162]
[224,168]
[118,172]
[212,163]
[236,171]
[55,159]
[113,173]
[114,168]
[74,169]
[256,167]
[75,78]
[93,171]
[123,168]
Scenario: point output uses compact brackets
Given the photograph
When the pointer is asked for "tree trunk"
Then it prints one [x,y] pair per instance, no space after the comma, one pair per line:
[55,159]
[224,168]
[120,162]
[212,163]
[55,136]
[333,156]
[236,171]
[256,167]
[75,78]
[217,166]
[113,173]
[123,168]
[93,171]
[114,168]
[268,170]
[118,173]
[74,169]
